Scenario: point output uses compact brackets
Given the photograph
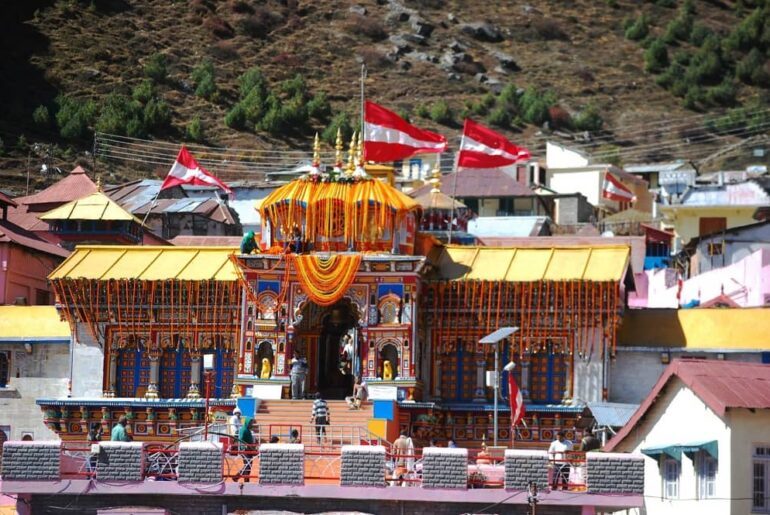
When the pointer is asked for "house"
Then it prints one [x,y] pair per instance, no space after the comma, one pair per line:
[26,259]
[726,247]
[176,213]
[670,178]
[34,362]
[705,210]
[570,171]
[705,431]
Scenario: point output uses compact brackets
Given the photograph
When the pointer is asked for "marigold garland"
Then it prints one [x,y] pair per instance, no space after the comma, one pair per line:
[325,279]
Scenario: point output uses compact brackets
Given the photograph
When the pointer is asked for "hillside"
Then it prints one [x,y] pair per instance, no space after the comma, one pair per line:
[611,72]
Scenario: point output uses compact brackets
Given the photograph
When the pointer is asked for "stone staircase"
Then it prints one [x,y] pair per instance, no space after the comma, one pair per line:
[279,417]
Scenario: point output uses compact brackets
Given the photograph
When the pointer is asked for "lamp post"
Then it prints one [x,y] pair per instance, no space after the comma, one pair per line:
[493,339]
[208,378]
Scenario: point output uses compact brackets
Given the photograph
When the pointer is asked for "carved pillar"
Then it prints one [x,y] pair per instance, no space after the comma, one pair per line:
[480,395]
[195,377]
[525,377]
[152,385]
[150,421]
[112,372]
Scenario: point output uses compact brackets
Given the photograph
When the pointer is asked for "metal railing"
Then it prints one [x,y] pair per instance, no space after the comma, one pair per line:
[568,471]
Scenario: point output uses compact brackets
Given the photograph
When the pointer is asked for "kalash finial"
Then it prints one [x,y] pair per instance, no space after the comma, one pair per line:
[99,183]
[338,147]
[360,170]
[316,167]
[435,178]
[352,155]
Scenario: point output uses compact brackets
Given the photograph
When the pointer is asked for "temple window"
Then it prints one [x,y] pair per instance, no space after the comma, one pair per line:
[389,362]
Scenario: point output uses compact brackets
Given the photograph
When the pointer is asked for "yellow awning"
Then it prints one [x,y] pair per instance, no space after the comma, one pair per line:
[32,322]
[579,263]
[148,263]
[96,206]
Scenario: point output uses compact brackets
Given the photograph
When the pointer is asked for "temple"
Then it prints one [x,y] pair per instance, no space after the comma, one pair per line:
[343,278]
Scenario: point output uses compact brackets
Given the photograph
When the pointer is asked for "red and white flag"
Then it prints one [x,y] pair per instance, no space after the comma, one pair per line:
[613,189]
[388,137]
[186,170]
[517,401]
[482,147]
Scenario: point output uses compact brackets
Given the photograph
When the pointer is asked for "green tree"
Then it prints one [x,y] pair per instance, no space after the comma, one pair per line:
[751,69]
[74,116]
[656,57]
[318,107]
[589,119]
[203,79]
[194,129]
[156,67]
[144,91]
[499,117]
[639,29]
[42,117]
[340,121]
[440,112]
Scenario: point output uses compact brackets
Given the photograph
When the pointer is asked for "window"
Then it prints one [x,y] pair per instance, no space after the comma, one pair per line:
[706,467]
[670,478]
[761,482]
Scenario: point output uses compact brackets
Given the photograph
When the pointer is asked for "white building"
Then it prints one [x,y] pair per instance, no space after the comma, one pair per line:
[705,429]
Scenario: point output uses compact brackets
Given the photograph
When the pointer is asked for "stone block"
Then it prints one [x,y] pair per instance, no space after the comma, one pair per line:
[523,466]
[31,461]
[120,461]
[444,468]
[200,462]
[615,473]
[282,464]
[363,465]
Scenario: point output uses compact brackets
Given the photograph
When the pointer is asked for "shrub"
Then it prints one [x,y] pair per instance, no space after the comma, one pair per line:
[318,107]
[194,129]
[441,113]
[236,117]
[699,34]
[74,116]
[560,118]
[340,121]
[488,100]
[679,29]
[157,114]
[751,69]
[499,117]
[656,57]
[251,79]
[22,144]
[748,33]
[693,97]
[41,117]
[203,78]
[404,114]
[670,76]
[723,94]
[156,67]
[144,91]
[121,115]
[295,87]
[422,111]
[536,112]
[589,119]
[509,96]
[639,29]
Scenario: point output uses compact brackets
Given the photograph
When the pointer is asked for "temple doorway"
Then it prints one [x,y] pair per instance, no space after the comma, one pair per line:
[328,338]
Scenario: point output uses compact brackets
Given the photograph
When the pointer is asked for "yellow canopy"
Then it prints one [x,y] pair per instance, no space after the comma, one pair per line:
[31,322]
[96,206]
[148,263]
[586,263]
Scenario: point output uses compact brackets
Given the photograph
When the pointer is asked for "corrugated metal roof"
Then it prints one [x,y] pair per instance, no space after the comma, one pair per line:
[605,263]
[39,322]
[721,385]
[612,414]
[12,233]
[73,186]
[147,263]
[490,182]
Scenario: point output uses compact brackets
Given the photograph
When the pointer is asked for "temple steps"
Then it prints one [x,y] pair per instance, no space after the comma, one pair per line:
[277,417]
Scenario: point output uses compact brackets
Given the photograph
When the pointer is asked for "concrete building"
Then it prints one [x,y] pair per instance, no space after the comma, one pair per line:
[727,247]
[705,429]
[34,362]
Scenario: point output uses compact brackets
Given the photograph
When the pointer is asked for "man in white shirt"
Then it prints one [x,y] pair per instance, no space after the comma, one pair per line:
[234,424]
[557,453]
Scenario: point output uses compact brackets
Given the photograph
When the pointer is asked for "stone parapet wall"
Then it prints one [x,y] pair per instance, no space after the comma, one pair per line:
[282,464]
[444,468]
[615,473]
[34,461]
[200,462]
[120,461]
[363,465]
[523,466]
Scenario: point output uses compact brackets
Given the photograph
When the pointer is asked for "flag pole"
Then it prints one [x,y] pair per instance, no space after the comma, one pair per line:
[363,110]
[147,214]
[454,185]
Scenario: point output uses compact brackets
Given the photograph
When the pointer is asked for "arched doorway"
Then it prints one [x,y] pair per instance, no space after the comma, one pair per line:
[328,338]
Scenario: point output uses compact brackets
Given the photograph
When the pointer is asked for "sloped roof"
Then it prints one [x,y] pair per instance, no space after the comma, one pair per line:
[186,240]
[612,414]
[96,206]
[27,322]
[74,186]
[5,199]
[605,263]
[721,385]
[489,182]
[12,233]
[438,200]
[148,263]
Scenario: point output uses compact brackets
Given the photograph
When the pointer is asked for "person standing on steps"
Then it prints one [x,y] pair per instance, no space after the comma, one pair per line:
[298,374]
[320,416]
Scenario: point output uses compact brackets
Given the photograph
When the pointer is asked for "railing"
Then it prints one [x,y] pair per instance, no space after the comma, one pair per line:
[567,471]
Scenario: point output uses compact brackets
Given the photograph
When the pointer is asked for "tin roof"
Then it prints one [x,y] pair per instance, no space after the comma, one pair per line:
[490,182]
[74,186]
[721,385]
[586,263]
[96,206]
[147,263]
[12,233]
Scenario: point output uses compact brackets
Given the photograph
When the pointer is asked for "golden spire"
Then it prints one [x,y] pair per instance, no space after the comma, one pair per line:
[352,154]
[360,151]
[316,152]
[99,183]
[435,177]
[338,147]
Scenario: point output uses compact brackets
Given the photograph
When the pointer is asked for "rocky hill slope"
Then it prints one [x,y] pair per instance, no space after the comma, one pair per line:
[628,80]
